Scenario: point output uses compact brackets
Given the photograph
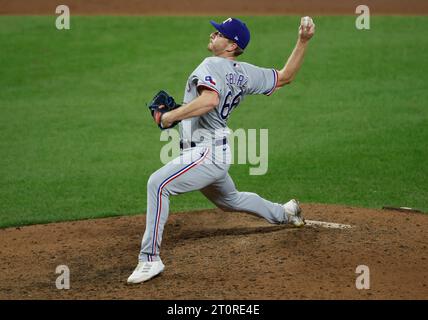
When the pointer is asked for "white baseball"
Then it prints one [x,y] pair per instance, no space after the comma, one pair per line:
[307,21]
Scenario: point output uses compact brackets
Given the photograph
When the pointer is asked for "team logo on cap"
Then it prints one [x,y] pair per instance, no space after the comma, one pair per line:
[227,20]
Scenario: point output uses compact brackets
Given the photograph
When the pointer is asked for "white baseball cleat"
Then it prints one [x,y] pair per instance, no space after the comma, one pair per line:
[145,271]
[293,213]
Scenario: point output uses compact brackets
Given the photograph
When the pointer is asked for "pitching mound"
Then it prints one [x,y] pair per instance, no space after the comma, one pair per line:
[223,255]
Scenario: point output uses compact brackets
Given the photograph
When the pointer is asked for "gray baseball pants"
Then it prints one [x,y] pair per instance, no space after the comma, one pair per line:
[198,168]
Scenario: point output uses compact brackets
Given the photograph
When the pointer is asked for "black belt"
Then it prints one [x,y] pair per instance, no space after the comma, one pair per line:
[219,142]
[192,144]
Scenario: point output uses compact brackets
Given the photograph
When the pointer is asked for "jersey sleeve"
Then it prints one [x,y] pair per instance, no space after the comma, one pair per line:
[261,80]
[206,76]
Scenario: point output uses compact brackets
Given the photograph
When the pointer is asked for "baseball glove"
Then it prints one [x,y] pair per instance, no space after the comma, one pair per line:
[162,103]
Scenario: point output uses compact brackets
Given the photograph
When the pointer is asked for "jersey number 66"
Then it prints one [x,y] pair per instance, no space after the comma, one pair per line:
[229,104]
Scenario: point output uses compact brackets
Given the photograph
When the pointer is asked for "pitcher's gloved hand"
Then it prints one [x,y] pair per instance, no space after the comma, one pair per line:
[162,103]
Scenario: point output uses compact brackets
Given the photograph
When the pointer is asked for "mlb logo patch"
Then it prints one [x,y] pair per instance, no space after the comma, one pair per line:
[210,80]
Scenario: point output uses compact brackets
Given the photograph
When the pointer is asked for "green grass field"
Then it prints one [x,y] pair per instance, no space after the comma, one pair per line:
[77,141]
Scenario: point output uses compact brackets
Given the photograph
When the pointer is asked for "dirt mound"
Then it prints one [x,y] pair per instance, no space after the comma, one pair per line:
[222,255]
[221,7]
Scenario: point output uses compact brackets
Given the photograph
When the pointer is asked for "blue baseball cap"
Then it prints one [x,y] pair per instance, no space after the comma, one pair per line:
[235,30]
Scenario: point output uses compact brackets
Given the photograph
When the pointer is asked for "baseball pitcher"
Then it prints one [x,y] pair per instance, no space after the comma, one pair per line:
[213,90]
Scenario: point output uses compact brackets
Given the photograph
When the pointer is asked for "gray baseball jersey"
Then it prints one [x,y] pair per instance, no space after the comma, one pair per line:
[232,80]
[196,167]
